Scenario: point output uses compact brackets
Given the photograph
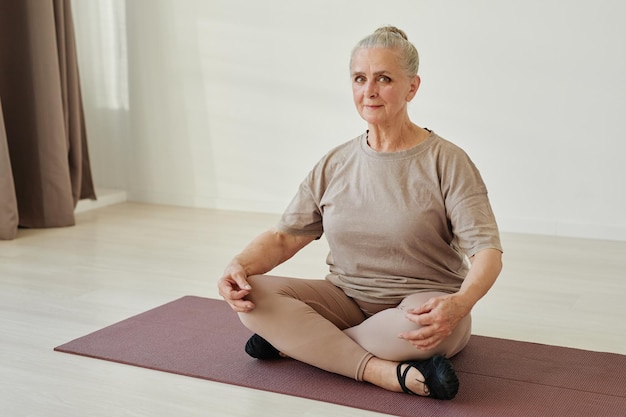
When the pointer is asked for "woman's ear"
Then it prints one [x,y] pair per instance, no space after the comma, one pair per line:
[415,85]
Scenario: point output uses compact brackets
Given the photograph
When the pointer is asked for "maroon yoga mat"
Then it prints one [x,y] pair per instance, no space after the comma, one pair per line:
[203,338]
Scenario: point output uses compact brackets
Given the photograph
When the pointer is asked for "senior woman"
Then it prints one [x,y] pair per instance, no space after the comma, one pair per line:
[413,245]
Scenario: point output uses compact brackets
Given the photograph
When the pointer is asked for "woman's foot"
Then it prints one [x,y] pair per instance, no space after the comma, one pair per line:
[438,377]
[259,348]
[432,377]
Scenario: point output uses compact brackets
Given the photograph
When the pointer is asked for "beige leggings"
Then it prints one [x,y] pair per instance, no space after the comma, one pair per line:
[315,322]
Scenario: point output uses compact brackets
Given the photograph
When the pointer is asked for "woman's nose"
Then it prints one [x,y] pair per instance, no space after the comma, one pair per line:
[371,89]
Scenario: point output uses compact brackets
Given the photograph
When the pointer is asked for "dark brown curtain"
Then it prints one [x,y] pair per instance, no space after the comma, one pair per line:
[44,163]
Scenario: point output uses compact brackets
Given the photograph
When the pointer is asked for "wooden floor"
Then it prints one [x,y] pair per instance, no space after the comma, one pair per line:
[118,261]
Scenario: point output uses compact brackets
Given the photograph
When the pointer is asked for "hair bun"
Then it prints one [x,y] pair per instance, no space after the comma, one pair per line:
[392,29]
[391,37]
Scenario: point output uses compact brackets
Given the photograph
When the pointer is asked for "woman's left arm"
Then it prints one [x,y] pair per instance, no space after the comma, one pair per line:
[440,315]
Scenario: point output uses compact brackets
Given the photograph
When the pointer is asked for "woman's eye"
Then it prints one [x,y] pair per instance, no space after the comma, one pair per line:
[384,79]
[359,79]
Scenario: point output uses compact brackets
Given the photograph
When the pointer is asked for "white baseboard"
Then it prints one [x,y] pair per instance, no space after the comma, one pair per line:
[106,197]
[563,228]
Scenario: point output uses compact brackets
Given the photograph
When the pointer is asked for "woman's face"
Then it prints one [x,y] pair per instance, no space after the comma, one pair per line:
[380,86]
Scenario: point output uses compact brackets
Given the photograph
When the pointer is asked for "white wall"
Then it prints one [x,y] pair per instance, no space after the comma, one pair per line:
[232,101]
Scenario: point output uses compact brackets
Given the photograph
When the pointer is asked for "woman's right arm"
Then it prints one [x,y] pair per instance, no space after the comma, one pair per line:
[264,253]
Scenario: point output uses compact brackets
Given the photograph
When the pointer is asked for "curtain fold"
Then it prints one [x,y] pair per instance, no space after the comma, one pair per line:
[44,125]
[8,203]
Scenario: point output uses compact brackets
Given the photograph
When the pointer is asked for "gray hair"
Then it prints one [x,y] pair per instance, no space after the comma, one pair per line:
[391,37]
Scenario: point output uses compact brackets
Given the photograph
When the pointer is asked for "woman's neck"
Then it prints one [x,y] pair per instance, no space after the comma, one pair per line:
[395,138]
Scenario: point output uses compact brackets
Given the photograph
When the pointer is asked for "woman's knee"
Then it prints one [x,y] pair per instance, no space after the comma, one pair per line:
[460,337]
[262,286]
[257,282]
[379,333]
[259,294]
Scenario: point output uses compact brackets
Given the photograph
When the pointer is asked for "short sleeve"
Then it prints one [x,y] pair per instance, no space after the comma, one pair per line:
[303,215]
[474,225]
[468,208]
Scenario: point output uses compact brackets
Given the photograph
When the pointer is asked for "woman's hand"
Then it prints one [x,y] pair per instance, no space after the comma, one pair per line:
[234,287]
[265,252]
[438,317]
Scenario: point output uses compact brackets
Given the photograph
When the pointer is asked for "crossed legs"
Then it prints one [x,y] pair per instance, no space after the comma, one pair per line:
[315,322]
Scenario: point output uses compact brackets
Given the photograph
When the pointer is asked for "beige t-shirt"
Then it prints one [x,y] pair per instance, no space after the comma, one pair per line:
[396,223]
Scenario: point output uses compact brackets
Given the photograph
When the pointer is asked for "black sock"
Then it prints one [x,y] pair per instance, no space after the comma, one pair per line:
[259,348]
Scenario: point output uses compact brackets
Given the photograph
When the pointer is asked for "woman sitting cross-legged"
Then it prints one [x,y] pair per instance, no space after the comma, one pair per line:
[413,242]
